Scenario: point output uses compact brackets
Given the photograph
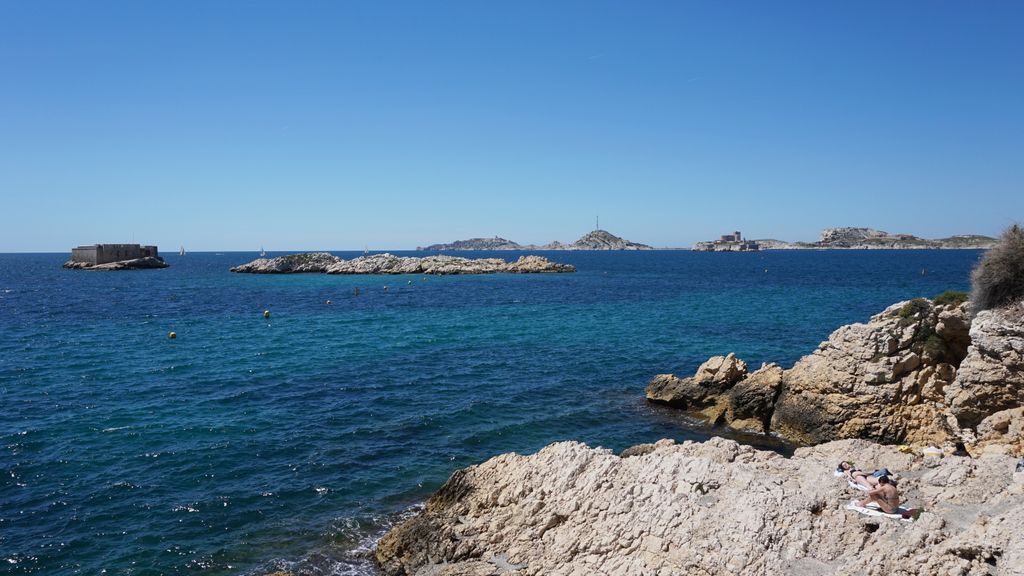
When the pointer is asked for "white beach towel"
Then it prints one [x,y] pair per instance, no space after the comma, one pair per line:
[872,510]
[858,486]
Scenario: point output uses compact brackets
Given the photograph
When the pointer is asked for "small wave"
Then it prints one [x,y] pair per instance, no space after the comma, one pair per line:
[352,554]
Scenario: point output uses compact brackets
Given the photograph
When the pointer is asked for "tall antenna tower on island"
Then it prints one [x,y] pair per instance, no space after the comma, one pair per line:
[597,222]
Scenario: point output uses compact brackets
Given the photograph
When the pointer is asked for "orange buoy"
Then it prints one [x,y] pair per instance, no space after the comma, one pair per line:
[172,335]
[266,313]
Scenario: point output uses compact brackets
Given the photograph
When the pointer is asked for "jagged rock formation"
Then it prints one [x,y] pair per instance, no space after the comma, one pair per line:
[890,380]
[134,264]
[710,508]
[1002,432]
[595,240]
[991,377]
[917,373]
[869,239]
[323,262]
[723,393]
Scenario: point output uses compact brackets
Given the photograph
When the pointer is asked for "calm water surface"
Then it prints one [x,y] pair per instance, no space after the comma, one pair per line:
[248,445]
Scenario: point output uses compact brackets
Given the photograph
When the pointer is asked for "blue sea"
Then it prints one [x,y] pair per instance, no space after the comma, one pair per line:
[251,444]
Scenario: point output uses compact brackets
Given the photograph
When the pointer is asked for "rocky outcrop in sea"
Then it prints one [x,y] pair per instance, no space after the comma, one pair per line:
[595,240]
[325,263]
[871,239]
[918,373]
[495,243]
[711,508]
[135,264]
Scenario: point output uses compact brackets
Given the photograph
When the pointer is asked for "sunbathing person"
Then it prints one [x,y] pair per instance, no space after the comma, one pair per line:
[867,480]
[886,496]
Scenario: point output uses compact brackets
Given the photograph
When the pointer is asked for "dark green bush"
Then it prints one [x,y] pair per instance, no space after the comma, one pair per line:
[911,309]
[935,346]
[954,297]
[999,277]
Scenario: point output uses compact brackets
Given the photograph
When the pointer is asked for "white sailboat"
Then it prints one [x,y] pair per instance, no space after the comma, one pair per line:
[263,253]
[182,251]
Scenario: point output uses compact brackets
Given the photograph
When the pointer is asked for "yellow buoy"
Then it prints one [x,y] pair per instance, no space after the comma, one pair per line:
[266,313]
[328,302]
[172,335]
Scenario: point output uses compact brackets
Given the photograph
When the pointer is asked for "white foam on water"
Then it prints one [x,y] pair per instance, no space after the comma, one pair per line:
[351,560]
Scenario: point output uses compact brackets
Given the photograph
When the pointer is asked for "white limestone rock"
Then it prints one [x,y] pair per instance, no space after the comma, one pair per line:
[991,378]
[710,508]
[323,262]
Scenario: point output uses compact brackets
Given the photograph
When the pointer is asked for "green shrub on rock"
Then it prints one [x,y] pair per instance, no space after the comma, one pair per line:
[951,297]
[913,308]
[999,277]
[935,347]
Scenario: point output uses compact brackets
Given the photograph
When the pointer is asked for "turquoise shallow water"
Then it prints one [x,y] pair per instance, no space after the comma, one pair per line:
[247,445]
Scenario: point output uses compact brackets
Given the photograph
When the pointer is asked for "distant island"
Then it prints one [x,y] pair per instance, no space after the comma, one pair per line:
[115,257]
[847,239]
[326,263]
[595,240]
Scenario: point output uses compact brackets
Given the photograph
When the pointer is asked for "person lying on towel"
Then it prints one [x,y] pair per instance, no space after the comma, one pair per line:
[886,496]
[867,480]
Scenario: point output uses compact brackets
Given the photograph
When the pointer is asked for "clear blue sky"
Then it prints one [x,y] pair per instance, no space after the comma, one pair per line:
[337,125]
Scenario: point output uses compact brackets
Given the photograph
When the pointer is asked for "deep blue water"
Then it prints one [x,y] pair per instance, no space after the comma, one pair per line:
[247,445]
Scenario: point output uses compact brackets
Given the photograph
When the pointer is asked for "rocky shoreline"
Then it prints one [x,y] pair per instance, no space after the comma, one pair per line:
[148,262]
[326,263]
[716,507]
[920,373]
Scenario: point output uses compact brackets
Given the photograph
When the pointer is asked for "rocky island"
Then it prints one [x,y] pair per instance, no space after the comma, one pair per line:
[850,239]
[326,263]
[115,257]
[595,240]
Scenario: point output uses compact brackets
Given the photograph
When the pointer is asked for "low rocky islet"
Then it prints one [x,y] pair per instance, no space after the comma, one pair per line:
[145,263]
[326,263]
